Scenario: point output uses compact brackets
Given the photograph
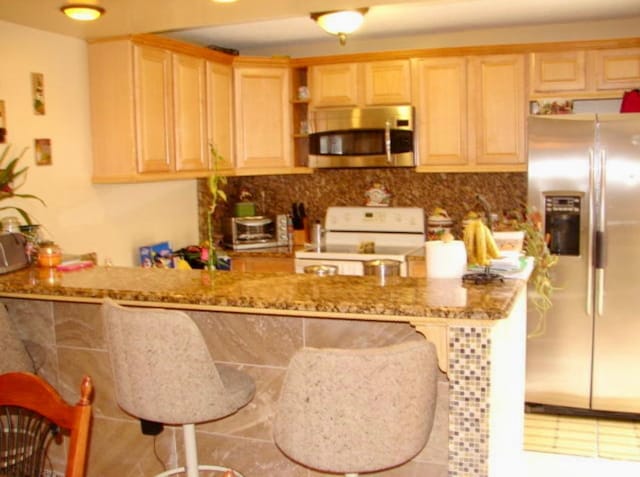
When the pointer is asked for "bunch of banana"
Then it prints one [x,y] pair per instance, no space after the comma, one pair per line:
[479,243]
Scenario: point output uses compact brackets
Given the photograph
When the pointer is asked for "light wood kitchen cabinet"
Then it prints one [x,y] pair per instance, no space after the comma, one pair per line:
[149,109]
[442,111]
[334,85]
[220,113]
[558,71]
[471,113]
[497,111]
[262,264]
[360,84]
[387,82]
[589,73]
[617,69]
[262,117]
[190,113]
[153,116]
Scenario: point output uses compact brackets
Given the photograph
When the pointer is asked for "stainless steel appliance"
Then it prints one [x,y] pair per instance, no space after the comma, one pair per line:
[13,252]
[354,235]
[244,233]
[584,177]
[362,137]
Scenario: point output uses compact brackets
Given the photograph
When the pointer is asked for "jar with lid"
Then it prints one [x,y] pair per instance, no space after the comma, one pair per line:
[49,254]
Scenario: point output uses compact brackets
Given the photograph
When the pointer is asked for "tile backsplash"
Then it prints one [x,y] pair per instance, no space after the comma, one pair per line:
[455,192]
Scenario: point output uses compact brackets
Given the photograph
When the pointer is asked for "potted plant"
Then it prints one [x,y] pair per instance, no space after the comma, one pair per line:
[535,246]
[12,178]
[215,181]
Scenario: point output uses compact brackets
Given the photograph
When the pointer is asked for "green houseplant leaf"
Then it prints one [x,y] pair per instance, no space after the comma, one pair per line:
[9,175]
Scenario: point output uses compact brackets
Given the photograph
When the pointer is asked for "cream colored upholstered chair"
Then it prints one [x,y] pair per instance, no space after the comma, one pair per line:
[13,354]
[163,373]
[358,410]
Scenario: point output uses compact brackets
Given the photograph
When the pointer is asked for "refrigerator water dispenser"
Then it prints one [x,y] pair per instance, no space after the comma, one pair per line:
[562,223]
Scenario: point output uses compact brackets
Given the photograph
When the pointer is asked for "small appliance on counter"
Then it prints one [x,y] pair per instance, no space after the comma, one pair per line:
[245,207]
[13,255]
[245,233]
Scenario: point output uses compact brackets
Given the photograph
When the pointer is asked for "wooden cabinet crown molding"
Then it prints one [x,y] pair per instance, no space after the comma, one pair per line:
[481,50]
[169,44]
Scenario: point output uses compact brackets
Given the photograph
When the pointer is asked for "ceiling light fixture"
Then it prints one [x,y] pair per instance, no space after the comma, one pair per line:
[340,22]
[82,11]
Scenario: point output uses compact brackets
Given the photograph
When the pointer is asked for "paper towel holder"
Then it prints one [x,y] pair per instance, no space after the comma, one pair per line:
[482,278]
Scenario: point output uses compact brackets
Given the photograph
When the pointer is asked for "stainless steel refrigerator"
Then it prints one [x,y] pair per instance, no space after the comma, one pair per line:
[584,178]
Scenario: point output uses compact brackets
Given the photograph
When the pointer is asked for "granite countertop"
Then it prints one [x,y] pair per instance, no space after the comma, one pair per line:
[270,293]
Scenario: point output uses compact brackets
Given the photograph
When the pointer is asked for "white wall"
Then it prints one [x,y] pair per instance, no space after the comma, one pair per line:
[112,220]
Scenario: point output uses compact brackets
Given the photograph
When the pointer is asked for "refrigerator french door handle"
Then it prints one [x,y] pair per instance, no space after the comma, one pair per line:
[600,231]
[590,228]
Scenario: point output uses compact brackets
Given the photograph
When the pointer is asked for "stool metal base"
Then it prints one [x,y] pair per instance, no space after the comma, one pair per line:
[192,469]
[182,470]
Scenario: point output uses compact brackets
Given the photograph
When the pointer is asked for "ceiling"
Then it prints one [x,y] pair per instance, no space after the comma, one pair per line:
[250,24]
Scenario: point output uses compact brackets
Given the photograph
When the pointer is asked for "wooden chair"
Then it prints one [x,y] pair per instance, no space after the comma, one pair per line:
[32,413]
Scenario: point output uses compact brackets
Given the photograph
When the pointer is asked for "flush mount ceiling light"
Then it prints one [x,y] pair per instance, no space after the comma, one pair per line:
[340,22]
[82,11]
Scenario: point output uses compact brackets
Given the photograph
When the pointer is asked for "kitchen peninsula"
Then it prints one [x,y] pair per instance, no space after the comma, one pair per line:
[257,321]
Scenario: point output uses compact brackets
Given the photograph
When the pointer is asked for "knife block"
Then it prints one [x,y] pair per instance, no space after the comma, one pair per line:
[302,236]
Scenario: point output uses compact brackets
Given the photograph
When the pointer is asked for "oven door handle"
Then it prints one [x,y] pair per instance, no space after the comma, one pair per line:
[387,140]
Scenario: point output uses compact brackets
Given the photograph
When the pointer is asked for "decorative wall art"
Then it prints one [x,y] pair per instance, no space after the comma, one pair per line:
[43,152]
[3,122]
[37,89]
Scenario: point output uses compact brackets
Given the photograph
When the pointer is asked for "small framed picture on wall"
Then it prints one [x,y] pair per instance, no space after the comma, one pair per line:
[37,88]
[43,152]
[3,123]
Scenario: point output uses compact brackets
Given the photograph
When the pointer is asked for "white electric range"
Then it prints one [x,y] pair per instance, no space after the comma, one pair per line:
[353,235]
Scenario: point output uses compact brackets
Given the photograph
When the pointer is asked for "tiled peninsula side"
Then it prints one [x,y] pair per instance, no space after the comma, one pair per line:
[256,322]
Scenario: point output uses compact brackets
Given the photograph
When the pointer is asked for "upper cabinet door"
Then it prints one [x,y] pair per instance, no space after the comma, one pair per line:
[442,119]
[189,96]
[334,85]
[497,109]
[557,71]
[263,125]
[220,112]
[360,84]
[154,124]
[617,69]
[387,82]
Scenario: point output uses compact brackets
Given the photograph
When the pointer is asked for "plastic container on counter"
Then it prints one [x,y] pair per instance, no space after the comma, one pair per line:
[49,254]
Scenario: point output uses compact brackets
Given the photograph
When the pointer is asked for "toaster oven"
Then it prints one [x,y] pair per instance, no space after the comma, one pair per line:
[243,233]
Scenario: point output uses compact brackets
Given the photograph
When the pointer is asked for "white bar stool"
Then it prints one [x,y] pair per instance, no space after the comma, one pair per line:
[163,373]
[357,410]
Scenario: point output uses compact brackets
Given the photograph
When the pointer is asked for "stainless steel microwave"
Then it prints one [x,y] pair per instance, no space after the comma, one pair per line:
[362,137]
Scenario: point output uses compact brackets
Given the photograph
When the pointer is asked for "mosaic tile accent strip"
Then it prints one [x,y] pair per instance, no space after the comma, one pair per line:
[469,386]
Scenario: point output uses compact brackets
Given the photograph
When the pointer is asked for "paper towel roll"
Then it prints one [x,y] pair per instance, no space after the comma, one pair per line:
[445,259]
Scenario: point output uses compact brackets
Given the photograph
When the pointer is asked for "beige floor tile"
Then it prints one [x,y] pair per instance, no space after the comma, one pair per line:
[581,436]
